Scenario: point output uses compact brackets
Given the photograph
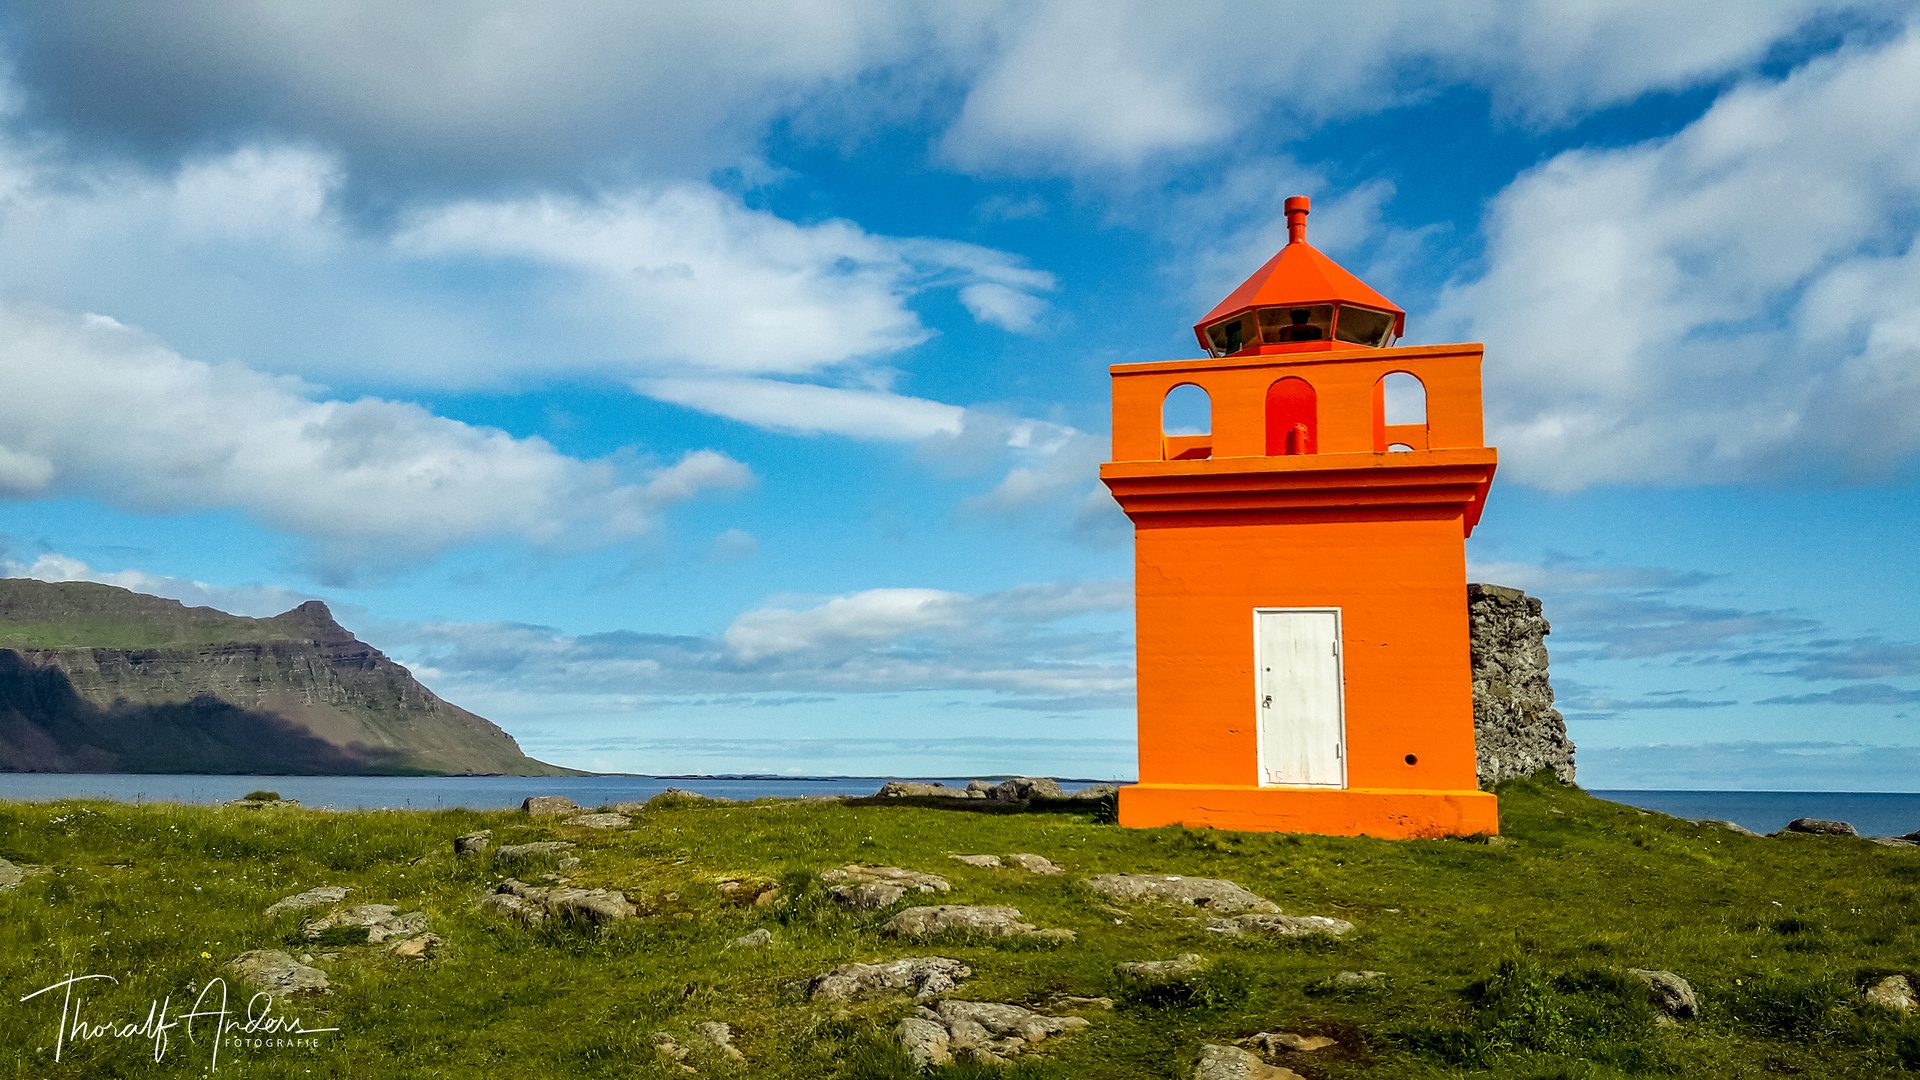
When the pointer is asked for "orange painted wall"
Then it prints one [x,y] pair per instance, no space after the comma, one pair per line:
[1401,589]
[1221,529]
[1345,384]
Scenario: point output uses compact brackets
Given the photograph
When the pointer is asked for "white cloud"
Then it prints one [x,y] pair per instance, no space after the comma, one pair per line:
[256,192]
[367,482]
[1048,466]
[1009,643]
[1054,469]
[733,545]
[490,87]
[873,615]
[690,276]
[637,280]
[806,409]
[496,90]
[1076,86]
[22,473]
[258,601]
[1009,309]
[1733,302]
[1569,576]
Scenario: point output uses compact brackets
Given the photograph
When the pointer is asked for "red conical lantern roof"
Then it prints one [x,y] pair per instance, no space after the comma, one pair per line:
[1299,276]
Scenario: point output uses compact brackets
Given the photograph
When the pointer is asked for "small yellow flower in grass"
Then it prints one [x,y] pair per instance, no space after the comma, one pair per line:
[206,956]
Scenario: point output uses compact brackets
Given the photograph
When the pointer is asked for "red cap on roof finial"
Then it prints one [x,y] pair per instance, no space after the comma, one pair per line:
[1297,208]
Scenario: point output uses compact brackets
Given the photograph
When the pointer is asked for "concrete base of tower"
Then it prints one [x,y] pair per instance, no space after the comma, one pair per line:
[1391,813]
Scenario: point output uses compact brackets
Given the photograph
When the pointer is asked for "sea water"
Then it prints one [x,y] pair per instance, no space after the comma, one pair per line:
[433,792]
[1873,813]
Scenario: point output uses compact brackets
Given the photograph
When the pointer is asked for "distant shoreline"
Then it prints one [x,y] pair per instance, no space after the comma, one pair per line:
[1873,813]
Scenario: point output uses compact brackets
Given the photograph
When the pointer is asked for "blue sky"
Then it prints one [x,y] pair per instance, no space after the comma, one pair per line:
[720,388]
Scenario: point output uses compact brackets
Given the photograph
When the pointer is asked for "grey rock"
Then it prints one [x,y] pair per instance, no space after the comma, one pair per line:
[514,906]
[566,864]
[682,795]
[1233,1063]
[589,905]
[1671,993]
[534,904]
[1069,1001]
[926,976]
[986,1031]
[991,921]
[1356,980]
[1821,827]
[1893,841]
[1138,975]
[473,844]
[669,1049]
[980,786]
[1035,864]
[867,896]
[1094,791]
[383,921]
[11,876]
[870,888]
[601,821]
[277,973]
[1893,992]
[925,1041]
[1213,894]
[514,856]
[1277,1042]
[1730,826]
[984,861]
[721,1036]
[896,789]
[1268,925]
[1517,731]
[318,896]
[548,805]
[417,948]
[753,940]
[1026,787]
[1913,836]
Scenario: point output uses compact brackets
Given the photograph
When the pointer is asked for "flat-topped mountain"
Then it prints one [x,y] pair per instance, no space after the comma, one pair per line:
[95,678]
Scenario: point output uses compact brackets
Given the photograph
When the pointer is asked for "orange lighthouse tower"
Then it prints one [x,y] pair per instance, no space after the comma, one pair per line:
[1300,569]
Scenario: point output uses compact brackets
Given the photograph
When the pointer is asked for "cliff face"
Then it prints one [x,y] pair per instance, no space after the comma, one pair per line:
[99,679]
[1517,731]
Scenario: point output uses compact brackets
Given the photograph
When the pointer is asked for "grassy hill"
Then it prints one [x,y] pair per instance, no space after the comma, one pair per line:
[1499,960]
[87,615]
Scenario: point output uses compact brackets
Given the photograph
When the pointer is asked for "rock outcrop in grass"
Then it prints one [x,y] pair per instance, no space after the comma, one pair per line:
[924,976]
[1212,894]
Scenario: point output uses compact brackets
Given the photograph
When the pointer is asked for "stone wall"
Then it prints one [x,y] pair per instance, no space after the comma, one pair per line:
[1517,731]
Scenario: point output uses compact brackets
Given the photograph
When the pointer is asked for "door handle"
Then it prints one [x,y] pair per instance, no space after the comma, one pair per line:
[1267,702]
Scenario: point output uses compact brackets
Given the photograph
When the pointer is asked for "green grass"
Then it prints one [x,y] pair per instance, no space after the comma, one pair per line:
[108,632]
[1501,961]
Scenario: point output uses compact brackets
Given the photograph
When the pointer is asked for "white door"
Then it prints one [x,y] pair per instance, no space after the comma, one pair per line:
[1298,697]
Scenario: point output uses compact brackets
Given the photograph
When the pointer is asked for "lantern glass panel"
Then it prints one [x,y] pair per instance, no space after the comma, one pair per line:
[1284,324]
[1364,326]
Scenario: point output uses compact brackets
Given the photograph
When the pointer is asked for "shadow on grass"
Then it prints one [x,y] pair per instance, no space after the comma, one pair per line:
[1105,810]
